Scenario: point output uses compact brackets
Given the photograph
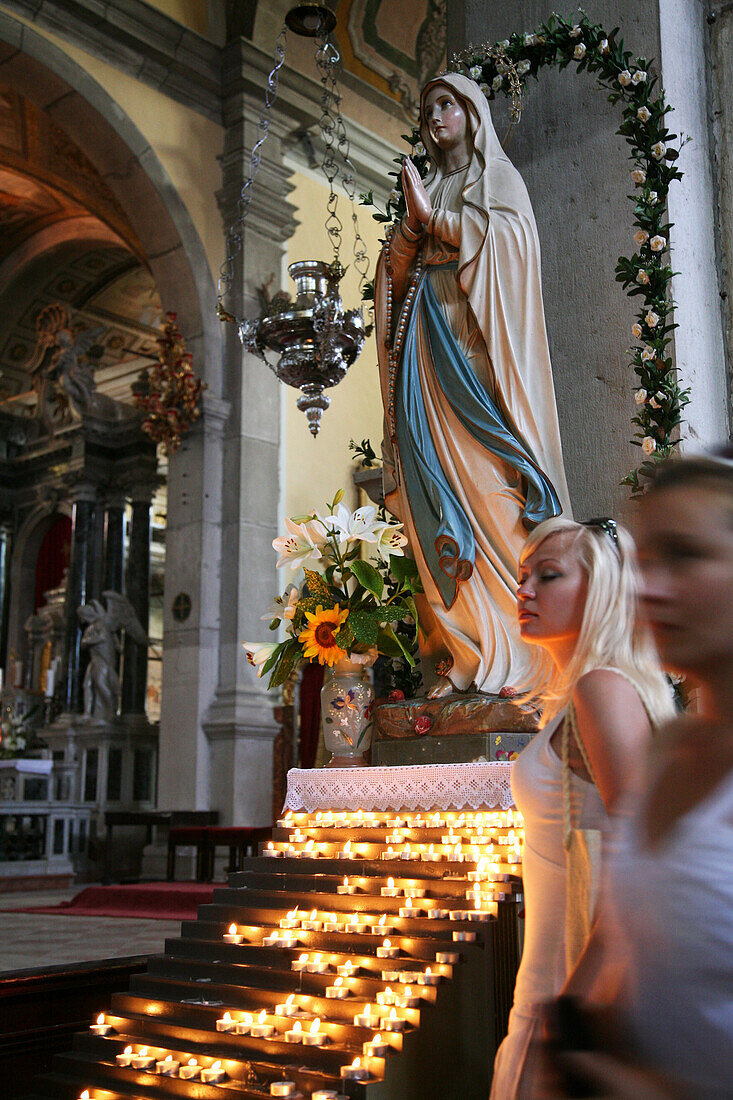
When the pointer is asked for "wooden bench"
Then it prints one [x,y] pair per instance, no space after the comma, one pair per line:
[241,842]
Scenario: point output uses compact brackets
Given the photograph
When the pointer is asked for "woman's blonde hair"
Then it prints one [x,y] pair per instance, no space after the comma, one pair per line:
[611,633]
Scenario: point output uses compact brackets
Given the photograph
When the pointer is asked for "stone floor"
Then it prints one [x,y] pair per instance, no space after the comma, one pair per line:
[30,940]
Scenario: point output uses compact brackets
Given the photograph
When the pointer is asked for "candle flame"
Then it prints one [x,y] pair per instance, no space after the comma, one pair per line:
[390,883]
[127,1050]
[346,882]
[317,959]
[314,914]
[290,999]
[339,981]
[143,1051]
[457,847]
[377,1039]
[347,846]
[393,1014]
[309,846]
[262,1016]
[356,1063]
[215,1065]
[409,902]
[227,1017]
[408,991]
[388,992]
[367,1010]
[297,1026]
[247,1018]
[168,1058]
[192,1062]
[232,929]
[383,918]
[302,958]
[478,903]
[84,1095]
[315,1026]
[428,972]
[387,943]
[100,1018]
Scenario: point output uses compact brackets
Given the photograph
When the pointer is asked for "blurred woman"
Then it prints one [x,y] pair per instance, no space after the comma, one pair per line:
[577,601]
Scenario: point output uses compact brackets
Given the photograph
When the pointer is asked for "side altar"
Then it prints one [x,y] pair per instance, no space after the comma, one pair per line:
[368,951]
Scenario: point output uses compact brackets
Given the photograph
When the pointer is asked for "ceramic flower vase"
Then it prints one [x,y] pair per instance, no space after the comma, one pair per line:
[347,700]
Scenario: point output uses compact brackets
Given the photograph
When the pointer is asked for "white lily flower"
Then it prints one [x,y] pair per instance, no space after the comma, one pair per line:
[302,544]
[648,354]
[390,541]
[258,653]
[604,46]
[653,197]
[283,607]
[576,31]
[523,67]
[352,526]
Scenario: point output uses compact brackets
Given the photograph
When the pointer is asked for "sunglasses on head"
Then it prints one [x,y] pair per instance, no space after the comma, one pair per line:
[604,523]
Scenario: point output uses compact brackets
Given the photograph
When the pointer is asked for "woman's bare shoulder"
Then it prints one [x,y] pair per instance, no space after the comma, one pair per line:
[603,687]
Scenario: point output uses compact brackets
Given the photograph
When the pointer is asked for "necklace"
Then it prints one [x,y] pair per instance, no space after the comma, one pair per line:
[453,171]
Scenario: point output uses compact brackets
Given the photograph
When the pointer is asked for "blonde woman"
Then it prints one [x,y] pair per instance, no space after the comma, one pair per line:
[577,601]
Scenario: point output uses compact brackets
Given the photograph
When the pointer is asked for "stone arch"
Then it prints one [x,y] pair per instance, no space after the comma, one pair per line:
[27,543]
[48,77]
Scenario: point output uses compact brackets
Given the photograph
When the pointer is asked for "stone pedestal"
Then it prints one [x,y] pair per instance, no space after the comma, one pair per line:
[453,729]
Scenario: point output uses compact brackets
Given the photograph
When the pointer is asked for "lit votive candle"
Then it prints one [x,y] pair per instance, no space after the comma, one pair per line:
[389,853]
[232,936]
[213,1073]
[408,998]
[125,1059]
[299,964]
[326,1094]
[387,951]
[295,1035]
[338,991]
[317,965]
[287,1008]
[387,997]
[314,1037]
[382,926]
[464,937]
[312,924]
[226,1023]
[393,1022]
[447,957]
[261,1029]
[416,891]
[242,1027]
[100,1027]
[438,914]
[190,1071]
[355,1072]
[168,1067]
[346,852]
[346,970]
[331,923]
[376,1047]
[143,1060]
[409,909]
[346,888]
[282,1088]
[291,921]
[459,914]
[428,977]
[478,912]
[367,1018]
[407,852]
[390,890]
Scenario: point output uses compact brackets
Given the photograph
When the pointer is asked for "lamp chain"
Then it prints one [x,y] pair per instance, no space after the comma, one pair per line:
[235,235]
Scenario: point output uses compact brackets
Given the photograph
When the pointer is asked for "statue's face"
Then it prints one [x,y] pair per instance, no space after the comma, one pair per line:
[445,118]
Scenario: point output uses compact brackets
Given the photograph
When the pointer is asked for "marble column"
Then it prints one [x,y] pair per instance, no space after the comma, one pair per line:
[95,557]
[577,172]
[137,590]
[5,544]
[114,547]
[76,595]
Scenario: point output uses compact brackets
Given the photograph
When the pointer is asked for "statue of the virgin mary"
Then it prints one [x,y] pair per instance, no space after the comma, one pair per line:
[472,454]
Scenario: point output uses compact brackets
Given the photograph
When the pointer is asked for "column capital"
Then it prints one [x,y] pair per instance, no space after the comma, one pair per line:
[140,492]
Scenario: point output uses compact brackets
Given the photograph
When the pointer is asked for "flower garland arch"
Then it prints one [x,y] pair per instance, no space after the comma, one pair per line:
[646,275]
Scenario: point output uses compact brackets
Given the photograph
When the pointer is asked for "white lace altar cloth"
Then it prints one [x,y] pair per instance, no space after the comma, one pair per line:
[413,787]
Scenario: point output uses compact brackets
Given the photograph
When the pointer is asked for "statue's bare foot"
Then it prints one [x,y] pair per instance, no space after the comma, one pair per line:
[442,688]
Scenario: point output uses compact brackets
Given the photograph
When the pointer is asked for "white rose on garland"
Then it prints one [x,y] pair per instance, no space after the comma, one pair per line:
[653,197]
[648,445]
[604,47]
[576,31]
[523,67]
[484,89]
[654,403]
[652,319]
[638,176]
[641,237]
[394,195]
[579,51]
[639,77]
[658,150]
[658,244]
[648,354]
[636,330]
[643,114]
[624,78]
[504,43]
[474,72]
[419,149]
[497,82]
[640,396]
[642,277]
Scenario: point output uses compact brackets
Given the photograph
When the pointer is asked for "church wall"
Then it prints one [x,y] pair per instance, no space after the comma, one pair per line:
[721,35]
[313,469]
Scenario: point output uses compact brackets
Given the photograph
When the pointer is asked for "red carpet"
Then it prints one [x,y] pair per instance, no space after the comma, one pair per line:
[145,900]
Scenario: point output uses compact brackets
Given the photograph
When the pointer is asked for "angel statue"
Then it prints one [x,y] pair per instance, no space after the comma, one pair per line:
[101,638]
[472,454]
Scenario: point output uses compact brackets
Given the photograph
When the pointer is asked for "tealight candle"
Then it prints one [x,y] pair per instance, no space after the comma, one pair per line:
[409,910]
[346,888]
[375,1047]
[262,1030]
[124,1059]
[338,990]
[464,937]
[459,914]
[325,1094]
[417,891]
[213,1073]
[168,1067]
[314,1037]
[143,1060]
[428,978]
[271,850]
[406,852]
[100,1027]
[312,924]
[295,1035]
[447,957]
[242,1027]
[393,1022]
[226,1023]
[389,854]
[287,1008]
[232,936]
[407,999]
[390,890]
[346,970]
[355,1072]
[346,852]
[387,997]
[191,1070]
[316,965]
[387,951]
[299,964]
[291,921]
[331,923]
[367,1018]
[438,914]
[382,926]
[282,1088]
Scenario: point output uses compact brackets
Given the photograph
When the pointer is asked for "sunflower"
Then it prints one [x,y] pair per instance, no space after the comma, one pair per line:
[319,638]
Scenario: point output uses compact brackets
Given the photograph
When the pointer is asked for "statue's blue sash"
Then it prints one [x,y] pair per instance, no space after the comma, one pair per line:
[443,529]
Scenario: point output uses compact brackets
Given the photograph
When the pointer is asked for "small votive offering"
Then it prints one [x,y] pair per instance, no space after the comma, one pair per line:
[316,965]
[125,1059]
[382,926]
[143,1060]
[387,997]
[376,1047]
[168,1067]
[271,850]
[288,1007]
[243,1026]
[355,1072]
[417,891]
[282,1088]
[312,924]
[367,1018]
[390,890]
[346,888]
[389,853]
[100,1027]
[331,923]
[438,914]
[295,1035]
[213,1073]
[428,977]
[346,852]
[232,936]
[226,1023]
[346,970]
[338,991]
[408,998]
[262,1030]
[314,1037]
[393,1022]
[464,937]
[324,1094]
[387,951]
[447,957]
[191,1070]
[299,964]
[459,914]
[409,910]
[291,921]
